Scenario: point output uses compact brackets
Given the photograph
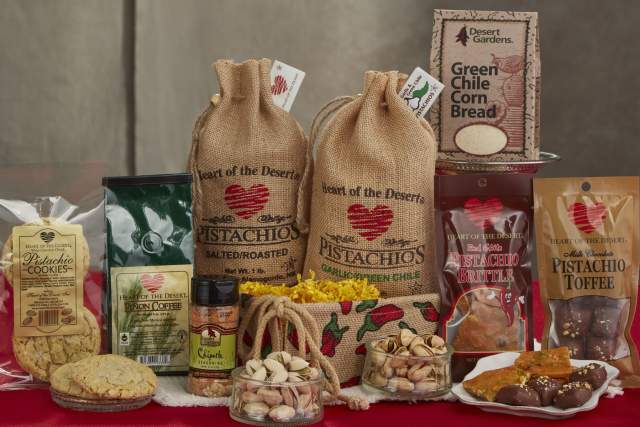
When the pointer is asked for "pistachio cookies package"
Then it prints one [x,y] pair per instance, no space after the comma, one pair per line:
[149,266]
[51,286]
[588,243]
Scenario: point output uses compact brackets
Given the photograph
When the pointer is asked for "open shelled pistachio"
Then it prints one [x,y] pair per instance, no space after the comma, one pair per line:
[409,363]
[280,388]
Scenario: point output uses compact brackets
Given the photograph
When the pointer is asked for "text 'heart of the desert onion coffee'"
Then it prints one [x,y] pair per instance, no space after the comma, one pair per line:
[247,160]
[373,221]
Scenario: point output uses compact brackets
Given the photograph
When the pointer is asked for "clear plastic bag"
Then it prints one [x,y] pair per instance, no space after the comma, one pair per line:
[82,204]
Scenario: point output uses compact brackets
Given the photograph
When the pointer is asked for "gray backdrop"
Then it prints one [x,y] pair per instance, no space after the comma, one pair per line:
[123,81]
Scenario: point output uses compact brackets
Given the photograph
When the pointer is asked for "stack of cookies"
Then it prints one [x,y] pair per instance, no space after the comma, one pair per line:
[105,382]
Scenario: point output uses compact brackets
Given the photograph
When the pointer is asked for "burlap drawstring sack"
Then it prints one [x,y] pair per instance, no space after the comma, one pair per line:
[247,160]
[271,312]
[372,191]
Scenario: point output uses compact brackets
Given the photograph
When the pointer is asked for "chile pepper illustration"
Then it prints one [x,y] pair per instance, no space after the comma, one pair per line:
[508,300]
[345,307]
[361,349]
[428,311]
[376,318]
[331,336]
[365,305]
[292,336]
[404,325]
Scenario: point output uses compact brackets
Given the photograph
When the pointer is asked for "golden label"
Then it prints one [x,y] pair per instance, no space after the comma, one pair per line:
[48,277]
[150,322]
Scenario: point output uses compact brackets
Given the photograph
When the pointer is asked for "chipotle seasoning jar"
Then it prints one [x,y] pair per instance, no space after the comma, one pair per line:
[213,325]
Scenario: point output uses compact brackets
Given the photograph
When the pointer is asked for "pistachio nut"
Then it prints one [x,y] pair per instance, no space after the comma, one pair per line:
[280,356]
[405,337]
[417,340]
[422,350]
[298,363]
[282,413]
[273,365]
[289,395]
[279,376]
[400,384]
[377,379]
[314,373]
[252,365]
[387,369]
[397,362]
[249,396]
[434,341]
[270,396]
[260,374]
[378,357]
[304,400]
[402,372]
[256,410]
[426,386]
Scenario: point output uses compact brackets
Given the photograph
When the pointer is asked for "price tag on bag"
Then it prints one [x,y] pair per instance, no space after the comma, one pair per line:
[285,82]
[420,91]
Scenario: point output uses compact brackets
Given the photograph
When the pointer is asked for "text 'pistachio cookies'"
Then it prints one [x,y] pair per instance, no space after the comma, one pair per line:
[41,356]
[110,376]
[6,259]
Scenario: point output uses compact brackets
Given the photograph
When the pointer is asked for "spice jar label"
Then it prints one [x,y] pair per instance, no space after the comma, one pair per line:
[213,341]
[150,320]
[489,63]
[49,264]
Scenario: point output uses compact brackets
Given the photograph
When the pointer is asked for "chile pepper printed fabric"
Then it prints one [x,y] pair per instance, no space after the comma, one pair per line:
[345,327]
[247,160]
[372,193]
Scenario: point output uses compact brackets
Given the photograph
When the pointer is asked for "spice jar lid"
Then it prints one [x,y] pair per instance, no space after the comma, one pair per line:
[214,290]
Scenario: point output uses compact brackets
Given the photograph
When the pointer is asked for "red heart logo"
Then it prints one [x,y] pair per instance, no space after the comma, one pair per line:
[279,85]
[152,282]
[587,218]
[483,214]
[370,223]
[246,203]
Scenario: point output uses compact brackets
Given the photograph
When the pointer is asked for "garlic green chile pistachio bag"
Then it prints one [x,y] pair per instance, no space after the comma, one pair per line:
[372,192]
[247,160]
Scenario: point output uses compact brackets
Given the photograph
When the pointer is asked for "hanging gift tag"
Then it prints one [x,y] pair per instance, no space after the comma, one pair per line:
[420,91]
[285,82]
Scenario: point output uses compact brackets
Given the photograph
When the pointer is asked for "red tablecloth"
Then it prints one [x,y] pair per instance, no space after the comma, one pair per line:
[35,408]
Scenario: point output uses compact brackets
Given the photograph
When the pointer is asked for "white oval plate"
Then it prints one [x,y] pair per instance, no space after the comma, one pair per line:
[502,360]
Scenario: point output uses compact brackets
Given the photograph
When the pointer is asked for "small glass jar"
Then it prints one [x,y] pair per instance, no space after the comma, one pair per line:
[410,377]
[265,403]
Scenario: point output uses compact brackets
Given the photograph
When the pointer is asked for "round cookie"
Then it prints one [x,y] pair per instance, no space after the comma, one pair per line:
[6,261]
[62,382]
[41,356]
[115,377]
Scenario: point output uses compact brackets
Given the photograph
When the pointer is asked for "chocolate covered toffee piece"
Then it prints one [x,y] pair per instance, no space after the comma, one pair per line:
[487,384]
[573,395]
[599,348]
[114,377]
[41,356]
[576,346]
[518,395]
[546,387]
[592,373]
[605,321]
[572,320]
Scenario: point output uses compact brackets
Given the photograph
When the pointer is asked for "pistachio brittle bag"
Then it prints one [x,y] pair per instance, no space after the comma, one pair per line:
[247,160]
[372,192]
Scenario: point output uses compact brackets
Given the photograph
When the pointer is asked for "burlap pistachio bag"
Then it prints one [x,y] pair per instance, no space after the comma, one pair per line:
[247,160]
[372,192]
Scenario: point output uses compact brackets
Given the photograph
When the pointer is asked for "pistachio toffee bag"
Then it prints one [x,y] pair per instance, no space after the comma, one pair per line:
[372,192]
[484,233]
[588,239]
[247,159]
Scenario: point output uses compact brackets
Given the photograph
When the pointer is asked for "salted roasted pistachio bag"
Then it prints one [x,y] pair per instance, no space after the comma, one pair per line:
[588,244]
[247,160]
[371,214]
[149,267]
